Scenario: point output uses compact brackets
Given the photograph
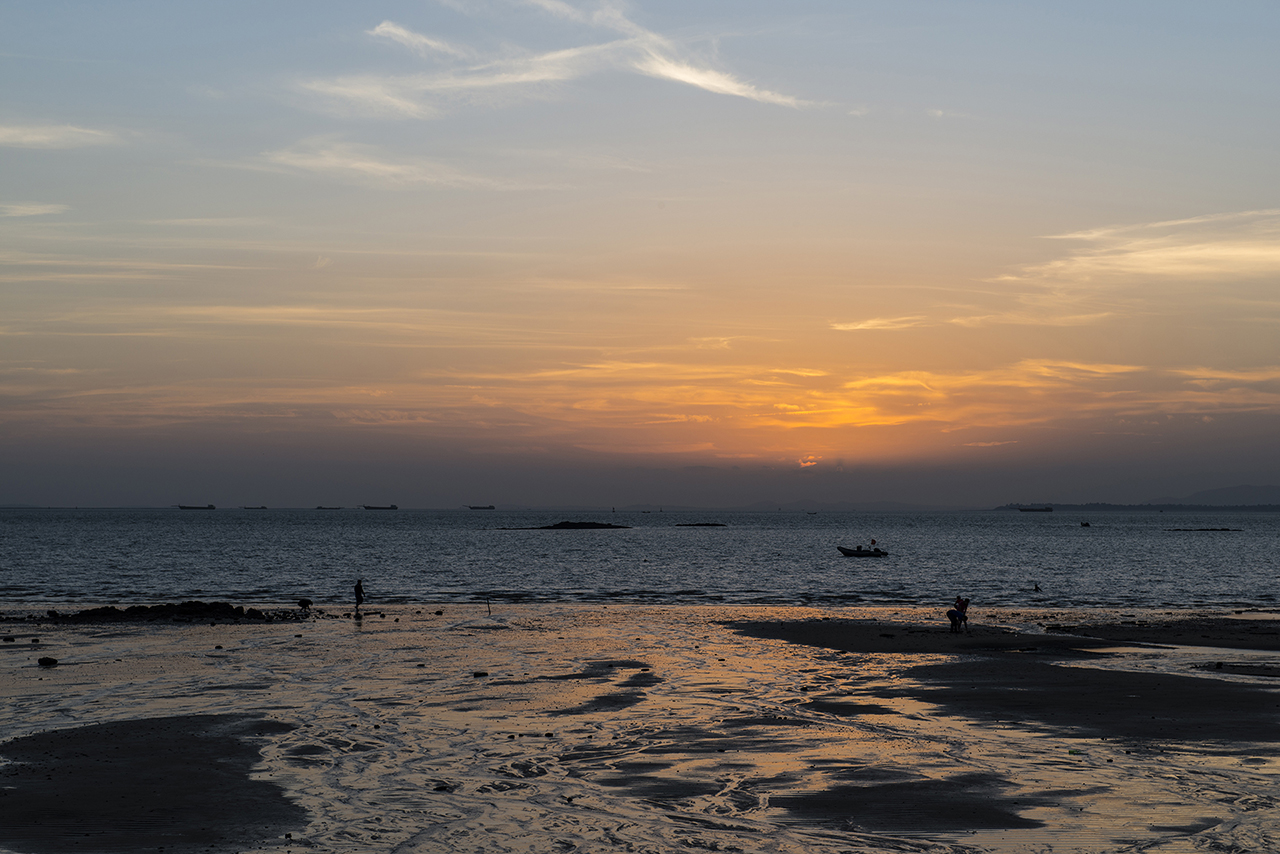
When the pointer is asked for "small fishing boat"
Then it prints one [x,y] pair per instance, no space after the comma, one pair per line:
[862,552]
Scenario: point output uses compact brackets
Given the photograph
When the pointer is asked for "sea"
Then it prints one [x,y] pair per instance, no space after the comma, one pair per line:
[1170,560]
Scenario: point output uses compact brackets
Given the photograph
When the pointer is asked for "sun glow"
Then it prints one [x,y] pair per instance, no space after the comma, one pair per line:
[792,239]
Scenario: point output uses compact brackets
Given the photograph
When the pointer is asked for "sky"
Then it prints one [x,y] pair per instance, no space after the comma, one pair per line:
[561,252]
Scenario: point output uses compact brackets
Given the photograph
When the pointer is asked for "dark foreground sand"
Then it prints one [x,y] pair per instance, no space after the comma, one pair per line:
[583,728]
[142,784]
[1008,676]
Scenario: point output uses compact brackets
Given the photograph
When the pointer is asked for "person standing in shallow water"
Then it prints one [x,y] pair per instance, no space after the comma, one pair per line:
[359,594]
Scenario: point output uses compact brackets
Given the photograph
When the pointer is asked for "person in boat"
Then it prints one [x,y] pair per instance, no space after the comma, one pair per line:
[959,615]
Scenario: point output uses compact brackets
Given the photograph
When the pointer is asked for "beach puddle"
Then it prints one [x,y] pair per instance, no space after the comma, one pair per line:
[580,728]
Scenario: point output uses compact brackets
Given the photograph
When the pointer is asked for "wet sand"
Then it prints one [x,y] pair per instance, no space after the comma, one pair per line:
[578,727]
[155,783]
[1010,676]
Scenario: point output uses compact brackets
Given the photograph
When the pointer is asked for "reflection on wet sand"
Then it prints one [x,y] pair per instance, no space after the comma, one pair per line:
[660,729]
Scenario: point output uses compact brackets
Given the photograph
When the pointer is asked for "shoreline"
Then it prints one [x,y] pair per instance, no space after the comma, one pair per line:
[693,725]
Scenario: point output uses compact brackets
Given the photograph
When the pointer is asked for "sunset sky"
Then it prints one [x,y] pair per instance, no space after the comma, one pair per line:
[539,252]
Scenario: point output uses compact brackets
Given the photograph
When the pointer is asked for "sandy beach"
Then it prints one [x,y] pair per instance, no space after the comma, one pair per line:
[633,728]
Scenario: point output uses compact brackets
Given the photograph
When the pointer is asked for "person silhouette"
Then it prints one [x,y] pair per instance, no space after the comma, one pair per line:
[359,594]
[959,615]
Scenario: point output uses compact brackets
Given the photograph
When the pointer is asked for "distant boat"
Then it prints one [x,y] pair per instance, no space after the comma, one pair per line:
[196,507]
[480,507]
[377,507]
[322,507]
[1045,509]
[861,552]
[259,507]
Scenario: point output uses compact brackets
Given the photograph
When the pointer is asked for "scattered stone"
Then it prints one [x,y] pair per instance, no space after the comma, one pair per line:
[10,639]
[479,673]
[180,612]
[575,526]
[46,661]
[439,613]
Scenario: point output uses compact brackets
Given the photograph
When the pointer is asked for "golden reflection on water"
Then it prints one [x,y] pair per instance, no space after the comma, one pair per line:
[581,727]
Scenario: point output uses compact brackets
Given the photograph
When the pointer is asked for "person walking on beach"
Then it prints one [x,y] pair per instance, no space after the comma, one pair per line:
[359,594]
[959,615]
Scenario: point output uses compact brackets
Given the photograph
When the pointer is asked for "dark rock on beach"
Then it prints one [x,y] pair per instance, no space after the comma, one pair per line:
[570,526]
[181,612]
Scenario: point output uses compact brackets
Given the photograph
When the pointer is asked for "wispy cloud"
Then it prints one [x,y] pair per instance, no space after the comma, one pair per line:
[595,390]
[882,323]
[1232,245]
[1033,312]
[473,73]
[655,64]
[424,45]
[212,222]
[370,94]
[32,267]
[53,136]
[1110,273]
[426,95]
[31,209]
[366,164]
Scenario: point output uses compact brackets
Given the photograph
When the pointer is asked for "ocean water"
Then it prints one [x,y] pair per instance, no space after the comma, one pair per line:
[997,558]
